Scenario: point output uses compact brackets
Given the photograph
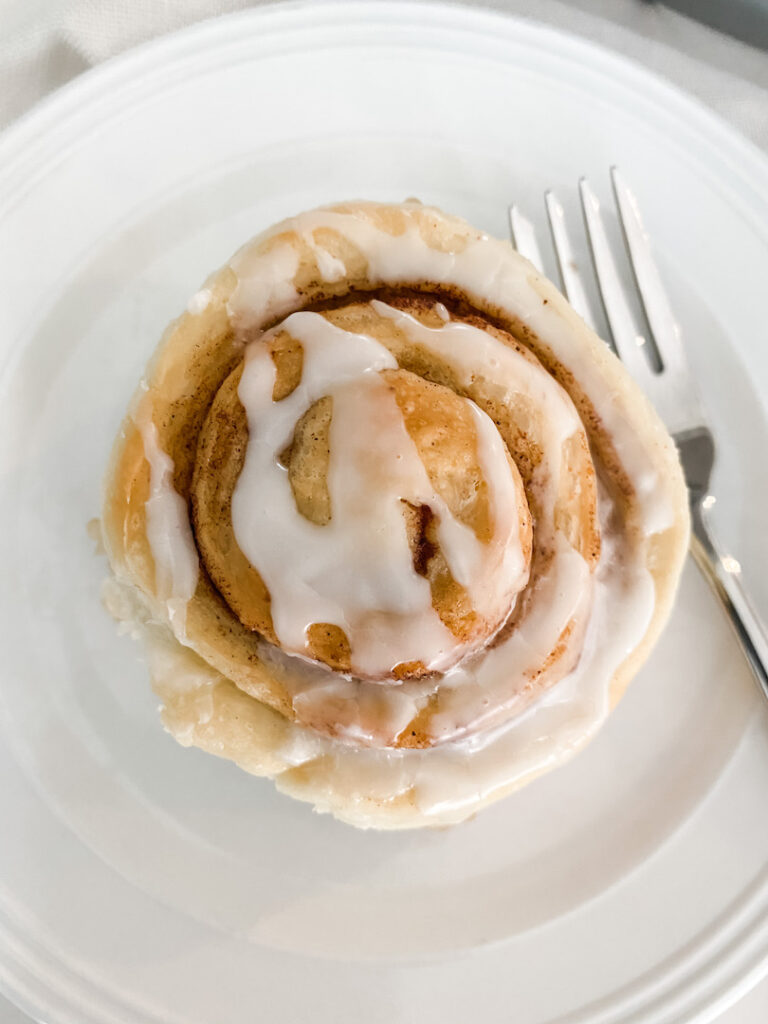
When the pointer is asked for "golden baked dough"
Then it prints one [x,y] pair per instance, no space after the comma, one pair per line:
[381,491]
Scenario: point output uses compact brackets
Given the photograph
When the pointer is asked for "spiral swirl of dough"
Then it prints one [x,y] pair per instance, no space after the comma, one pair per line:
[383,489]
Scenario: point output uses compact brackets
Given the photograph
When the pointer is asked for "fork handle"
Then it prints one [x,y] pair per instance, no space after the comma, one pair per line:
[728,588]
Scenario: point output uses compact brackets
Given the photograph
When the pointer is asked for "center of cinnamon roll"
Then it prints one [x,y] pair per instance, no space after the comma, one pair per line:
[358,515]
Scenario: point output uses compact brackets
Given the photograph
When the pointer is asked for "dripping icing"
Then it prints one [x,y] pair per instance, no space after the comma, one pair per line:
[486,268]
[446,782]
[357,571]
[169,532]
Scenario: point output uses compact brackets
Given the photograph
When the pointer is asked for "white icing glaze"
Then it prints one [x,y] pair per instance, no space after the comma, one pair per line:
[330,267]
[169,532]
[477,757]
[200,301]
[486,269]
[472,353]
[447,782]
[366,431]
[483,689]
[357,571]
[264,282]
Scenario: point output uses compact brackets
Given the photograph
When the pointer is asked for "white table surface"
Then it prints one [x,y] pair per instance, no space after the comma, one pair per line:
[45,43]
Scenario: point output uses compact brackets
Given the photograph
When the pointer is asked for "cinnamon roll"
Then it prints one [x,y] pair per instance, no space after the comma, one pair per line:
[396,526]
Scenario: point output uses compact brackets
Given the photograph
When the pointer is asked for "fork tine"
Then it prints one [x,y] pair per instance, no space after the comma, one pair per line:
[627,340]
[665,332]
[523,237]
[573,286]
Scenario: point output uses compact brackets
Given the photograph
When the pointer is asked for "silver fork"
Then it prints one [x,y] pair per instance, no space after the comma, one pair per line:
[664,375]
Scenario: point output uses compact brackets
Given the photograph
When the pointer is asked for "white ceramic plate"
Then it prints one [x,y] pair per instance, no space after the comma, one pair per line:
[140,882]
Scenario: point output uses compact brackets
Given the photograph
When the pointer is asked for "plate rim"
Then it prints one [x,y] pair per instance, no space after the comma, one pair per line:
[26,137]
[33,125]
